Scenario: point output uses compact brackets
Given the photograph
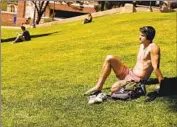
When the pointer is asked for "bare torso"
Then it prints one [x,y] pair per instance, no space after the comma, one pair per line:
[143,67]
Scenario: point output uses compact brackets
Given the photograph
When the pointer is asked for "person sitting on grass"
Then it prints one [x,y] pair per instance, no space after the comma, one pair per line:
[148,59]
[25,36]
[88,19]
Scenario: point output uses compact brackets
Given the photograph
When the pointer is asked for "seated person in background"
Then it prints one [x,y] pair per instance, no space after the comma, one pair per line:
[28,20]
[88,19]
[25,36]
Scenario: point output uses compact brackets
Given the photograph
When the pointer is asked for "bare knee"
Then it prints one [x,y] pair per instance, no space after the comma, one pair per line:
[19,35]
[115,87]
[110,57]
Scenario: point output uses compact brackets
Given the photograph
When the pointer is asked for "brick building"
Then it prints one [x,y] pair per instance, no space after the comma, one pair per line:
[18,12]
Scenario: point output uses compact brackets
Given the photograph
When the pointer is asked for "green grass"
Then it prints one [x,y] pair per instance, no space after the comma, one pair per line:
[43,80]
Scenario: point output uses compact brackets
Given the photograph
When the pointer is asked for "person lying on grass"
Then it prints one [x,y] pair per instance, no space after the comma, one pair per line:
[148,59]
[25,36]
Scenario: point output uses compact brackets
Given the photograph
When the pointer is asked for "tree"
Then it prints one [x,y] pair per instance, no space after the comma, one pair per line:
[102,5]
[40,7]
[4,6]
[106,5]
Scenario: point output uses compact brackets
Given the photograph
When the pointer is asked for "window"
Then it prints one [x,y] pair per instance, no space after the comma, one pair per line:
[12,8]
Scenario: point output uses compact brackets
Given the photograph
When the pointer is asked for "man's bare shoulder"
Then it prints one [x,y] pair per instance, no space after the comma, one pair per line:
[154,47]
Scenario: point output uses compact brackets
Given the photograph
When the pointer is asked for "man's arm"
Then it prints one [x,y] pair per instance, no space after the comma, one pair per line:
[155,57]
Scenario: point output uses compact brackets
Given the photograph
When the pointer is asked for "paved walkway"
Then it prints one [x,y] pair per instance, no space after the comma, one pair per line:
[99,14]
[81,18]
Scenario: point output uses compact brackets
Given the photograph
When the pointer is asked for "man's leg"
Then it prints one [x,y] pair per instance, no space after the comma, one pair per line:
[116,86]
[19,38]
[85,21]
[110,62]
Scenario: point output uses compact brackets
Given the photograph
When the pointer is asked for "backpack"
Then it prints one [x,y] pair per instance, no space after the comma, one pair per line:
[124,93]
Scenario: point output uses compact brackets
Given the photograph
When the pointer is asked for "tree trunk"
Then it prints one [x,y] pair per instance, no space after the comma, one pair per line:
[102,3]
[40,7]
[39,18]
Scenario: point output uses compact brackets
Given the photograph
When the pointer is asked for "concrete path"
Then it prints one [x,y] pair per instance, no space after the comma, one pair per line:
[101,13]
[81,18]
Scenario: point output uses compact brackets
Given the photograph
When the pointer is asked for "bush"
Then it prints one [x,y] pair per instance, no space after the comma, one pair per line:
[4,6]
[47,20]
[173,5]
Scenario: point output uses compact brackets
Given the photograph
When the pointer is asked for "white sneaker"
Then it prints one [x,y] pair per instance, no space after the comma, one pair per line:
[100,97]
[92,99]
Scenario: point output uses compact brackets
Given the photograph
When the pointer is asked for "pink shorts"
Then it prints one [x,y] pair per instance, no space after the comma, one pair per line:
[128,75]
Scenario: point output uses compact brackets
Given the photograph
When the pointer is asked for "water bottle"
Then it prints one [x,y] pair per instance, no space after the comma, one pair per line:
[142,85]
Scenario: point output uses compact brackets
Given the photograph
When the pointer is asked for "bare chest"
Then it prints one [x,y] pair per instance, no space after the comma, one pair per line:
[144,55]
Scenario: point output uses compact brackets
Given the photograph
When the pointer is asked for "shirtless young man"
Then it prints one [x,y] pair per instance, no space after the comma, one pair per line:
[148,59]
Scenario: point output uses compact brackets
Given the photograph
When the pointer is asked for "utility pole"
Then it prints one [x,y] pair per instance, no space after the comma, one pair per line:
[150,7]
[53,15]
[34,18]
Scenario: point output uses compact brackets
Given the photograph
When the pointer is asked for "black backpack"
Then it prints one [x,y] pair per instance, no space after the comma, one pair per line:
[129,94]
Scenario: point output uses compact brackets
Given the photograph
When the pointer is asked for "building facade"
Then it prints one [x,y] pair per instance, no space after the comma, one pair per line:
[22,12]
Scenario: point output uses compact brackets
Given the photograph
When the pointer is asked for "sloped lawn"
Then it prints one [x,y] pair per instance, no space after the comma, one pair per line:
[43,80]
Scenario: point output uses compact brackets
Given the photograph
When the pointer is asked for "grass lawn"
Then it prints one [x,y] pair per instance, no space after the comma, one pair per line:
[43,80]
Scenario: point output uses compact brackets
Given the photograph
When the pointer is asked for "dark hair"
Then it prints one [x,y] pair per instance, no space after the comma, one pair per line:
[90,14]
[149,31]
[23,27]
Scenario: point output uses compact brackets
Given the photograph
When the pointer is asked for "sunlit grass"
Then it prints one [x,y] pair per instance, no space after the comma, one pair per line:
[43,80]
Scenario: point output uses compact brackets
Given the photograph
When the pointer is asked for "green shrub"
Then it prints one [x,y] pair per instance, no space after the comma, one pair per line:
[4,6]
[47,20]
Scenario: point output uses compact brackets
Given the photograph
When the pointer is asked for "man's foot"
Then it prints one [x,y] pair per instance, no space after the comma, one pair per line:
[14,42]
[151,96]
[93,90]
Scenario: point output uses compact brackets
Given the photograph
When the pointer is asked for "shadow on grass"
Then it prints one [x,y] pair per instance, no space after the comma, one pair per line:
[172,102]
[32,36]
[107,88]
[168,91]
